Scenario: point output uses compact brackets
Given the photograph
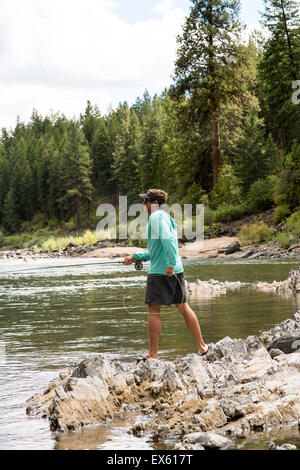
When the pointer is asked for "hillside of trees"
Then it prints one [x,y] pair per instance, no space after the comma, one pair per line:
[226,133]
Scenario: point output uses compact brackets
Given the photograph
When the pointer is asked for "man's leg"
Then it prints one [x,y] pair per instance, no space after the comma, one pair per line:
[154,330]
[192,324]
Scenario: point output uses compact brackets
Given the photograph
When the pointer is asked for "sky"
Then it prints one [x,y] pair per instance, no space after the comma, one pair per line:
[55,55]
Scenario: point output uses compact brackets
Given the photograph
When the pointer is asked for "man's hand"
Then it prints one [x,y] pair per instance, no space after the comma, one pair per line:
[170,271]
[128,260]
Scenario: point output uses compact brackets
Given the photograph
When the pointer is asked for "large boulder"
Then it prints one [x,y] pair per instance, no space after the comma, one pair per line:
[286,343]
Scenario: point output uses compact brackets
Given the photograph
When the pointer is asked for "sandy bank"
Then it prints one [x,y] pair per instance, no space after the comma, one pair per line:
[196,249]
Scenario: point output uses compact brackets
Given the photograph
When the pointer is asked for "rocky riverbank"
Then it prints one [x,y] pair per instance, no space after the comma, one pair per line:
[222,247]
[212,288]
[241,387]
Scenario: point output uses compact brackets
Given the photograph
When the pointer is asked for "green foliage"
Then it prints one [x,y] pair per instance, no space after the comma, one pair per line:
[284,239]
[195,195]
[253,157]
[227,190]
[209,216]
[39,237]
[226,135]
[255,233]
[228,212]
[281,212]
[293,223]
[279,68]
[261,194]
[287,189]
[213,70]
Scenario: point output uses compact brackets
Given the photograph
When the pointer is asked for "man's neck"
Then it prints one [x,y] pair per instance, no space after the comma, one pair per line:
[154,208]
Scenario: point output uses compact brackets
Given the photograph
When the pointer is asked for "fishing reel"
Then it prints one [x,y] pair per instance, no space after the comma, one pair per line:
[138,264]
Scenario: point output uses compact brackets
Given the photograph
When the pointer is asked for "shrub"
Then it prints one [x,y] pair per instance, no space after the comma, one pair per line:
[255,233]
[52,243]
[227,212]
[39,237]
[70,225]
[208,216]
[12,242]
[281,212]
[261,194]
[288,185]
[293,223]
[285,239]
[87,238]
[195,195]
[227,190]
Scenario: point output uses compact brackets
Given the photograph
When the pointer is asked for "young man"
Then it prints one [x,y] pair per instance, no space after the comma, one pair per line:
[165,280]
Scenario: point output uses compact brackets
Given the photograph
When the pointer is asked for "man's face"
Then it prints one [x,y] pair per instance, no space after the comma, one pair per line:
[147,205]
[150,205]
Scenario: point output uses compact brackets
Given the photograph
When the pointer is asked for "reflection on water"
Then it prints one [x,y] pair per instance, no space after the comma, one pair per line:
[52,318]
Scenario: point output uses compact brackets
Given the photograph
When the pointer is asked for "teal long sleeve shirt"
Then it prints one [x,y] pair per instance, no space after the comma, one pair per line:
[162,244]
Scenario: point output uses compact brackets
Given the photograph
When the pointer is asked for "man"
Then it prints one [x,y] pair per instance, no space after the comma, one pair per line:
[165,280]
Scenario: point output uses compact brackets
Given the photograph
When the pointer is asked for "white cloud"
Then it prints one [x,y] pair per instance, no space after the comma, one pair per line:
[58,54]
[164,6]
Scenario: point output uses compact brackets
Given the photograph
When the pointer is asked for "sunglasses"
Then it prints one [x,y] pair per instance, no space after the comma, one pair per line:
[145,201]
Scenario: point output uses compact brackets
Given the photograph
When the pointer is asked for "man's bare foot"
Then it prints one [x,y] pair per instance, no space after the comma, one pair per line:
[203,350]
[151,356]
[147,356]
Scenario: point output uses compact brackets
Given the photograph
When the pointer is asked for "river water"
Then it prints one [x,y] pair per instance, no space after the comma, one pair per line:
[51,318]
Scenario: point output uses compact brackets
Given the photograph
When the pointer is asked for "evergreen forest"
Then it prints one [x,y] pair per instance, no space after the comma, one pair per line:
[225,134]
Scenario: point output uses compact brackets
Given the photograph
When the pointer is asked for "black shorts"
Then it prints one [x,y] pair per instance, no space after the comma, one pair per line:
[165,290]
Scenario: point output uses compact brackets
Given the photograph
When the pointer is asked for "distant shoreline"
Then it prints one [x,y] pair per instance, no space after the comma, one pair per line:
[220,247]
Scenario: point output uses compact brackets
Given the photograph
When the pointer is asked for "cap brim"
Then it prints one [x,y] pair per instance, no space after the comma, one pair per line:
[144,196]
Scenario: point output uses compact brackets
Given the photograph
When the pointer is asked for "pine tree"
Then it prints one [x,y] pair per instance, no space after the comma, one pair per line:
[210,66]
[279,68]
[76,171]
[4,180]
[101,155]
[89,121]
[253,157]
[53,157]
[19,203]
[126,151]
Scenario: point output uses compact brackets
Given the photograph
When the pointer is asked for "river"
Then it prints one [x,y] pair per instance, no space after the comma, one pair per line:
[51,318]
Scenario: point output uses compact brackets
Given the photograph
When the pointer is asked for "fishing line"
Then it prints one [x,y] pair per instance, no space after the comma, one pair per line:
[182,289]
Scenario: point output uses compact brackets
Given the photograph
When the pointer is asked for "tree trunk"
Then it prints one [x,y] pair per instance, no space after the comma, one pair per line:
[78,212]
[217,154]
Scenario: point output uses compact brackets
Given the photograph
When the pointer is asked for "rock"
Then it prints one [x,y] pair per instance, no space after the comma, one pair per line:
[272,446]
[256,255]
[61,394]
[245,254]
[287,344]
[275,352]
[295,246]
[232,248]
[209,440]
[213,255]
[236,389]
[213,287]
[232,408]
[231,350]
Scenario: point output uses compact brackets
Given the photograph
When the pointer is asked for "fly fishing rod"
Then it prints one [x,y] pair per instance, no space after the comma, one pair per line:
[138,265]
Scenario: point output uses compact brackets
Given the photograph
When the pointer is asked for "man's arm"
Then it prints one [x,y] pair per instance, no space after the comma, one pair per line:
[169,245]
[136,257]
